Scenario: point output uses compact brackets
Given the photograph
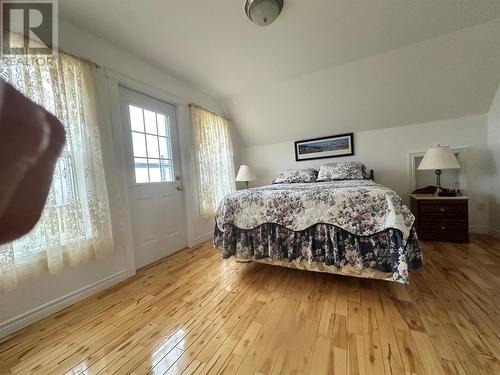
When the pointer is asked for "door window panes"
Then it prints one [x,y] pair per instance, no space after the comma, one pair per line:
[151,146]
[139,144]
[141,170]
[136,119]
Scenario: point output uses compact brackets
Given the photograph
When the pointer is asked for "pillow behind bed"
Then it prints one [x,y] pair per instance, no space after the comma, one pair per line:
[344,170]
[291,176]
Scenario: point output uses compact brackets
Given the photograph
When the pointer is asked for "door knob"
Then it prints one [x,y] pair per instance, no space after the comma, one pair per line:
[180,188]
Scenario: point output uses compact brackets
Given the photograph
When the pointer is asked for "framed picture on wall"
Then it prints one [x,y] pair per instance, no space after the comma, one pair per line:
[325,147]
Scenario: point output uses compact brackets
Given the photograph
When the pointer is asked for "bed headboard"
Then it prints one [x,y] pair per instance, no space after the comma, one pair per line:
[372,175]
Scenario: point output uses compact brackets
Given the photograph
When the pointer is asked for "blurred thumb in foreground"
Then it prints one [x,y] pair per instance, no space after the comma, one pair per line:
[31,140]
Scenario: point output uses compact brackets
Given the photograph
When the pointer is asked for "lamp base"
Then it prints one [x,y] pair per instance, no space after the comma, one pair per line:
[439,188]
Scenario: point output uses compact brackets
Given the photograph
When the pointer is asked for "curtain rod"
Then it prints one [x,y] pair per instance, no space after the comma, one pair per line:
[84,59]
[203,108]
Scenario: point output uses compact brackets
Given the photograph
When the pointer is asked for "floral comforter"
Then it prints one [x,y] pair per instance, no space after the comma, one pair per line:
[360,207]
[350,224]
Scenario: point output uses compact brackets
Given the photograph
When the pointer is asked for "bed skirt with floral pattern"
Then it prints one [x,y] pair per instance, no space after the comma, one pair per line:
[325,248]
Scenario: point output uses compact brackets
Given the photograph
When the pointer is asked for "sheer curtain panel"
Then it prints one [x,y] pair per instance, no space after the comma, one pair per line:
[75,225]
[214,159]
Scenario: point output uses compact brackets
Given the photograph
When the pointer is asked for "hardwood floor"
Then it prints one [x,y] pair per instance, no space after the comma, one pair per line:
[195,313]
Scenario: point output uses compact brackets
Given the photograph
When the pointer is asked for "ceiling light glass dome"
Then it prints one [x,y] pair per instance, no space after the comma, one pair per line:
[263,12]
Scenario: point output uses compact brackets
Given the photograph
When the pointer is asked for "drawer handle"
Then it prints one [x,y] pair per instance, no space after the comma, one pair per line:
[442,209]
[443,228]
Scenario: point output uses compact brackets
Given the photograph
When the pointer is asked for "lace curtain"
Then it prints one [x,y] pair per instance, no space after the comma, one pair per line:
[75,225]
[214,159]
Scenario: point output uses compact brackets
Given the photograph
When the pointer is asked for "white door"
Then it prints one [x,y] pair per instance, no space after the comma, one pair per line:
[154,177]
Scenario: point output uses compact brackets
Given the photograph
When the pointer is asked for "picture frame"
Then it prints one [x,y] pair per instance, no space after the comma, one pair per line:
[333,146]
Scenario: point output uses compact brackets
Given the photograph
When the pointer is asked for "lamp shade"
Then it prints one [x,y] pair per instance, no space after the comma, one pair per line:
[245,174]
[440,157]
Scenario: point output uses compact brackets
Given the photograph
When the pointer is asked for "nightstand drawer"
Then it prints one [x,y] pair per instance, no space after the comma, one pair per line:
[443,231]
[440,226]
[448,209]
[449,216]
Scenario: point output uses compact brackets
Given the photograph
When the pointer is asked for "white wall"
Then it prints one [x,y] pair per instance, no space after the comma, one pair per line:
[494,149]
[386,151]
[47,293]
[81,43]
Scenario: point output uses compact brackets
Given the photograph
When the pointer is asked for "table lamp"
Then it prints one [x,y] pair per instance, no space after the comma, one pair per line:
[245,174]
[437,159]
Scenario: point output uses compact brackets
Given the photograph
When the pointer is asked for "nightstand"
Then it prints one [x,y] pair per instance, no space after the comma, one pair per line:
[441,218]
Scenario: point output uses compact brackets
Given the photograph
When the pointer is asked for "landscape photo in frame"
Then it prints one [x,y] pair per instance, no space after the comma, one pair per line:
[325,147]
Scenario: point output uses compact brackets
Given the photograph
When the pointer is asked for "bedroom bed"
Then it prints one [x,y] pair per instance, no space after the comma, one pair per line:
[337,222]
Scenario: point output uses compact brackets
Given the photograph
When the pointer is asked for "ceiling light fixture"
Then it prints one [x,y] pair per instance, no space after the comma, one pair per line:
[263,12]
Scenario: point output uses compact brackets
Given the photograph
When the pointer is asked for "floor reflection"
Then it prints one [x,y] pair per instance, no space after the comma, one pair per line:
[167,352]
[80,369]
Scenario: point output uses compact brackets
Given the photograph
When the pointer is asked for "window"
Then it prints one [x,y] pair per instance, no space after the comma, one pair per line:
[214,159]
[152,146]
[75,224]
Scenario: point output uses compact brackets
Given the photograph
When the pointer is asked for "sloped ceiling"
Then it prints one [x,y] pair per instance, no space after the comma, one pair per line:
[324,66]
[450,76]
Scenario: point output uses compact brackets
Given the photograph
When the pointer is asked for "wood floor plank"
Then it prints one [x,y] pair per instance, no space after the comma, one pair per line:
[73,321]
[173,304]
[195,313]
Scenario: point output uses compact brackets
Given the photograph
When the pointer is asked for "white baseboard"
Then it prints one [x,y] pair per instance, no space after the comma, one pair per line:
[485,230]
[494,232]
[205,237]
[479,230]
[16,323]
